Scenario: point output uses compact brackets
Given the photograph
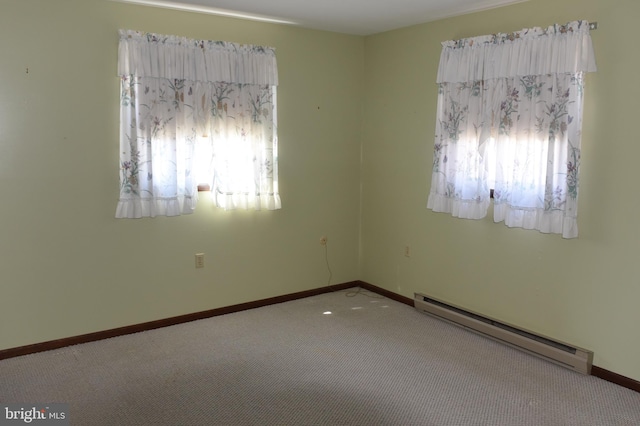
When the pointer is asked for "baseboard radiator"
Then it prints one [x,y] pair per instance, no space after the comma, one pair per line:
[560,353]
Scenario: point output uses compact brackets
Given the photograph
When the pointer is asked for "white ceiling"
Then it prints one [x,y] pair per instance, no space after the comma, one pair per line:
[359,17]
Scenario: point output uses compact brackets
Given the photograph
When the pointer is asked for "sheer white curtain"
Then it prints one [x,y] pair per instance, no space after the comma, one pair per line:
[509,118]
[194,112]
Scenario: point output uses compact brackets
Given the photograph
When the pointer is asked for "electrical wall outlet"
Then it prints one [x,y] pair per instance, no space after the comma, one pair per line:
[199,260]
[323,241]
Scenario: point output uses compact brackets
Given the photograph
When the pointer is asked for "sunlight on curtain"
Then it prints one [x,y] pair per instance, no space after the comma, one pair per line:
[194,112]
[509,118]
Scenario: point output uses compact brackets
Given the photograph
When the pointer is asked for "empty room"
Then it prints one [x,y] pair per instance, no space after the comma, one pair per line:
[235,212]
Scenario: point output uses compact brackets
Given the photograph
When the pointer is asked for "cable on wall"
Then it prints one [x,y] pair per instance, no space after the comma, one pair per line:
[326,259]
[348,293]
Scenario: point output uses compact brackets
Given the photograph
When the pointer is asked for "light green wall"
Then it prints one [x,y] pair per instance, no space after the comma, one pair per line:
[583,291]
[68,267]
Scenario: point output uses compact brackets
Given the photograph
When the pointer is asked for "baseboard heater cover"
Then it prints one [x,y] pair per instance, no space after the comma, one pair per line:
[560,353]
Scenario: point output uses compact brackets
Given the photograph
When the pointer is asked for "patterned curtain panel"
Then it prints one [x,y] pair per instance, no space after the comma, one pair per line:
[509,118]
[195,112]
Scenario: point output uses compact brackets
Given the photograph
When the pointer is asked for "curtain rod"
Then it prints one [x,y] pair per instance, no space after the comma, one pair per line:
[593,25]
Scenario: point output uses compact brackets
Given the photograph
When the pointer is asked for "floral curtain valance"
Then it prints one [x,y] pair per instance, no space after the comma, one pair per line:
[509,118]
[557,49]
[162,56]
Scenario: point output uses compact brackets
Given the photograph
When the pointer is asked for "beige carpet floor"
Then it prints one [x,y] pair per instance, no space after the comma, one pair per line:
[370,361]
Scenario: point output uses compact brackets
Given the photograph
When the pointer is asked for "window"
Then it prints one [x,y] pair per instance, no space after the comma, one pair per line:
[195,112]
[509,119]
